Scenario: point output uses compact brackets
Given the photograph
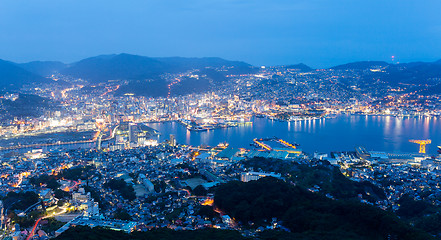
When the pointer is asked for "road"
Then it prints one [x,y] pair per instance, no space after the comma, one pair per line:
[38,221]
[33,229]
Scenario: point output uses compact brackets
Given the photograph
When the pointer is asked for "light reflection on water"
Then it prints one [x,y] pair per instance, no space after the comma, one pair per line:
[341,133]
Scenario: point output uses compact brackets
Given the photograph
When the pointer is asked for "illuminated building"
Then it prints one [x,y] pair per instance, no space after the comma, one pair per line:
[252,176]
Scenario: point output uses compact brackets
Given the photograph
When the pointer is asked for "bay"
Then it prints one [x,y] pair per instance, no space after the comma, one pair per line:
[341,133]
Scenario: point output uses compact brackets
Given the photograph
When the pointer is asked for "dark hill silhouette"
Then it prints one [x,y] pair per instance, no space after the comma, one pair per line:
[423,73]
[197,63]
[307,214]
[144,74]
[301,67]
[111,67]
[14,77]
[360,65]
[133,67]
[43,68]
[26,105]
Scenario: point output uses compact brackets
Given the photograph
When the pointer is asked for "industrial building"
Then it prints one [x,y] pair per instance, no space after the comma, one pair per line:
[113,224]
[252,176]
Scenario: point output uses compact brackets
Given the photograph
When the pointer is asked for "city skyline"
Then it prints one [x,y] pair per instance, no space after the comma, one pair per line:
[222,119]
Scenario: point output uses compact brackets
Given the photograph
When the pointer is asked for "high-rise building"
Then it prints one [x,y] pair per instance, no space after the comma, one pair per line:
[172,141]
[133,133]
[99,142]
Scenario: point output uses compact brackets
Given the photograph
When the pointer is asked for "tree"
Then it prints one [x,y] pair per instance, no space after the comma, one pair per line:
[122,214]
[304,212]
[123,188]
[58,193]
[199,191]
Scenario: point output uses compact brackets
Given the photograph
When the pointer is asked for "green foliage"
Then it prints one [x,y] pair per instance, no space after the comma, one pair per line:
[199,190]
[304,212]
[76,173]
[191,171]
[327,177]
[61,202]
[116,184]
[160,186]
[410,208]
[314,235]
[122,214]
[174,215]
[207,211]
[52,225]
[123,188]
[430,224]
[86,233]
[27,220]
[421,214]
[49,180]
[60,194]
[20,200]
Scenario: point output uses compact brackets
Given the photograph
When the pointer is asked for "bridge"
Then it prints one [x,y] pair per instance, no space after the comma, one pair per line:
[40,145]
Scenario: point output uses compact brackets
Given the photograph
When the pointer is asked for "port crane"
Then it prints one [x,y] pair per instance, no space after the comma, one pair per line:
[422,144]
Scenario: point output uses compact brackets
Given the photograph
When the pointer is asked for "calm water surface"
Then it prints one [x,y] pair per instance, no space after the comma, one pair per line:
[342,133]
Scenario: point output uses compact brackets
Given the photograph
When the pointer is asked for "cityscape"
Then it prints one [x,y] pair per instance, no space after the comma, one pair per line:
[131,146]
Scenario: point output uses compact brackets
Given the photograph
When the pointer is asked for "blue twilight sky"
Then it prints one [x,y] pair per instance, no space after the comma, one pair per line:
[320,33]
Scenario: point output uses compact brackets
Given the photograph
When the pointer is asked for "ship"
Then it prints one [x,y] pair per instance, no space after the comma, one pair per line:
[196,128]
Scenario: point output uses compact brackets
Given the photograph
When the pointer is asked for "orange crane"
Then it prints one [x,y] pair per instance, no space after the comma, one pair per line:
[422,144]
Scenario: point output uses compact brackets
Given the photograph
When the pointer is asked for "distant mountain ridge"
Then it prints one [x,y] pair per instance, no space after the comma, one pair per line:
[43,68]
[418,73]
[26,105]
[133,67]
[14,77]
[112,67]
[201,62]
[364,65]
[147,72]
[360,65]
[301,66]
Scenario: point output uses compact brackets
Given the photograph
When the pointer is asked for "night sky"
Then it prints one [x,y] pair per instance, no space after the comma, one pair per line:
[319,33]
